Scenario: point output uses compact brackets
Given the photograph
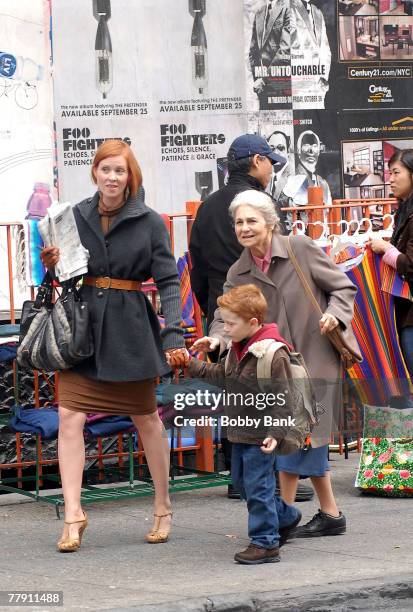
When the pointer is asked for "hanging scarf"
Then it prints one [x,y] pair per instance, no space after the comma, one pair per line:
[107,214]
[403,214]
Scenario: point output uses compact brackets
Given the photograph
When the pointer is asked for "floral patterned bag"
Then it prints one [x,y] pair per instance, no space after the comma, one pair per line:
[386,462]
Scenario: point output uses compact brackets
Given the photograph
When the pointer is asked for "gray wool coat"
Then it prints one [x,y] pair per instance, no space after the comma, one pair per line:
[290,308]
[128,341]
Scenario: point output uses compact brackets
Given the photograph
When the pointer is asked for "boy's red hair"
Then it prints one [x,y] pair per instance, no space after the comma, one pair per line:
[246,301]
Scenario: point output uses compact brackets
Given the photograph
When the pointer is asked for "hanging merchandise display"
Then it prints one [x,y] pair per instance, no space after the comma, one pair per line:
[382,374]
[32,268]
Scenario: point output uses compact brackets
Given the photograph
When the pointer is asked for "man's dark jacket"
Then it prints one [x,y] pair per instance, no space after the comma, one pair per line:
[213,245]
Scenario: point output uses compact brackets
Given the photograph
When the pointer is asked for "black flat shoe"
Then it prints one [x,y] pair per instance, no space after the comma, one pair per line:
[322,524]
[233,493]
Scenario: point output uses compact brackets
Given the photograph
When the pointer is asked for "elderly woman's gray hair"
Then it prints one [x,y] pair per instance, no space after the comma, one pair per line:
[261,202]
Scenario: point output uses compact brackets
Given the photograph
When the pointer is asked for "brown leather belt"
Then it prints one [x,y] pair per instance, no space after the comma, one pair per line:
[104,282]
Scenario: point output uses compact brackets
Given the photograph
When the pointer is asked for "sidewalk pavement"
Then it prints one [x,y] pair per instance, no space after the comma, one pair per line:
[117,570]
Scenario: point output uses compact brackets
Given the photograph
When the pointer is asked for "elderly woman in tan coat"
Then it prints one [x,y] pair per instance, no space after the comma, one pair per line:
[266,263]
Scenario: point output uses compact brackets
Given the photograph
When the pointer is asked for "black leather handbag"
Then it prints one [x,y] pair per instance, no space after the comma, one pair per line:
[54,336]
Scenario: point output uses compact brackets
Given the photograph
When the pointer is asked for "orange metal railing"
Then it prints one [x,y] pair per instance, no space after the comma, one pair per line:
[204,444]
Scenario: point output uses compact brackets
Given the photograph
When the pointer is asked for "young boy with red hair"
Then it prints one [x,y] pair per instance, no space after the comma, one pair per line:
[270,519]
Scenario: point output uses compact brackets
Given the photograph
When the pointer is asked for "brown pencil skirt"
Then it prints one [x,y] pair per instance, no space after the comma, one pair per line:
[76,392]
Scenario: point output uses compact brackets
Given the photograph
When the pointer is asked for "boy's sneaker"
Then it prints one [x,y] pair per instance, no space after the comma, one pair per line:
[289,531]
[253,555]
[322,524]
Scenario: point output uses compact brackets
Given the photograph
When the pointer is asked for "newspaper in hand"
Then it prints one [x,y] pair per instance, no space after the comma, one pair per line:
[59,229]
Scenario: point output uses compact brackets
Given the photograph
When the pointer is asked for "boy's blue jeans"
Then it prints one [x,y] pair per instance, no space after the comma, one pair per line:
[253,474]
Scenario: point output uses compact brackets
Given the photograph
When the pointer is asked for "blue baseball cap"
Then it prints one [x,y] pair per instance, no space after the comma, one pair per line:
[252,144]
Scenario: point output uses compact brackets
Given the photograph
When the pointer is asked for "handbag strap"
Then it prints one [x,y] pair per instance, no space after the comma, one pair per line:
[302,277]
[44,293]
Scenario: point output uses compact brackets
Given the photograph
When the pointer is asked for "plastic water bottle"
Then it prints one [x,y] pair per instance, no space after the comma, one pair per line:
[20,68]
[39,201]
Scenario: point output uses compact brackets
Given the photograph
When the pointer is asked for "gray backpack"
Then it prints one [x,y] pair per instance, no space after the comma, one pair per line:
[304,404]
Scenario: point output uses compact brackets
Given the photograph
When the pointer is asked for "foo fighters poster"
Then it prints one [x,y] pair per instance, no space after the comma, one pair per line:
[169,80]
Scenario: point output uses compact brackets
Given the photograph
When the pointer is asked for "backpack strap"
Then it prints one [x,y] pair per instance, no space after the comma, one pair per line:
[264,363]
[226,363]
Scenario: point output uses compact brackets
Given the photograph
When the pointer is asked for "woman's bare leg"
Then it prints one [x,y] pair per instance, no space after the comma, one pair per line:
[288,486]
[322,486]
[71,453]
[324,490]
[156,447]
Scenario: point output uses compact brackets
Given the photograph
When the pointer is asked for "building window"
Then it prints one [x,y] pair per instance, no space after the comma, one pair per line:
[361,157]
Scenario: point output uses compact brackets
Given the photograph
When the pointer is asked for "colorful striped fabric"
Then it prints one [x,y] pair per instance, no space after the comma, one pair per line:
[382,373]
[392,283]
[186,291]
[188,321]
[349,252]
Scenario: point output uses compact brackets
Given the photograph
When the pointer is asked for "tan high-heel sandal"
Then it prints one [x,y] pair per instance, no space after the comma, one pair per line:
[155,536]
[72,544]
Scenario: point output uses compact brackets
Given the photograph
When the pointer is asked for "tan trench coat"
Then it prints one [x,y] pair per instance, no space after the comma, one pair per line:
[298,322]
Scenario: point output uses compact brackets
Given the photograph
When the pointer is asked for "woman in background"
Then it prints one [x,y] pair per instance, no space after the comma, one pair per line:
[398,253]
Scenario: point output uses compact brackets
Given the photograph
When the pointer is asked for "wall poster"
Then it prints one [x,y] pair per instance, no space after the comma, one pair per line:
[368,141]
[375,61]
[178,99]
[289,47]
[180,81]
[26,127]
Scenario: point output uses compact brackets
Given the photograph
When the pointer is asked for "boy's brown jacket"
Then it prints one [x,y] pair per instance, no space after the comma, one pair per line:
[240,377]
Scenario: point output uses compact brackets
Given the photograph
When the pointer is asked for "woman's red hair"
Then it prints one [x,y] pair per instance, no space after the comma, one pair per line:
[111,148]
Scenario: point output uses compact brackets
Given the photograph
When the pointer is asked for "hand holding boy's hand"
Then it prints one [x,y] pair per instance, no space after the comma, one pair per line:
[206,344]
[177,358]
[269,445]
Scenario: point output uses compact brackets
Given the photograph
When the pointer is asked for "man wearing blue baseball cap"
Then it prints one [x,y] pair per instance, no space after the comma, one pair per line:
[213,245]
